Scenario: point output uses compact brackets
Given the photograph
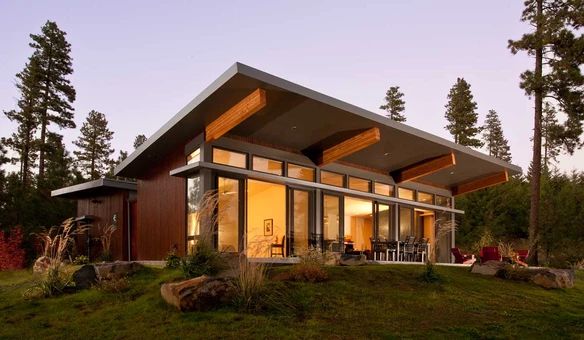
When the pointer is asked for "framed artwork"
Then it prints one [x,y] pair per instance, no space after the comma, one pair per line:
[269,227]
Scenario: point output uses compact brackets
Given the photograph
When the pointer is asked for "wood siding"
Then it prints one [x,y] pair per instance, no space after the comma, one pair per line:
[161,209]
[103,208]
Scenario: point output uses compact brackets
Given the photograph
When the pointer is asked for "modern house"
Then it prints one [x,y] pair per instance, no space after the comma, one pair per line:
[291,168]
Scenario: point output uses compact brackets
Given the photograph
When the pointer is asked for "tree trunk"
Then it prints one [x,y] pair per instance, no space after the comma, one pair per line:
[536,161]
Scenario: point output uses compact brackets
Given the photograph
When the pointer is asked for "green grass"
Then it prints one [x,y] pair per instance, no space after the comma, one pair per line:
[361,302]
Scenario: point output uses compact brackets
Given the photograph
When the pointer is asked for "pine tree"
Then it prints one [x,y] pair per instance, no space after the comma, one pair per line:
[139,140]
[94,143]
[556,43]
[59,163]
[52,53]
[551,134]
[394,104]
[461,115]
[23,140]
[113,163]
[494,139]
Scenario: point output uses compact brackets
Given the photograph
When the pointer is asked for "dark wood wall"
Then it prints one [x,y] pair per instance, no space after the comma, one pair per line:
[161,209]
[103,207]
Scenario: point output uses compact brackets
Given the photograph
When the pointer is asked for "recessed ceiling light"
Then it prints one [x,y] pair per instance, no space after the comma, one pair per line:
[452,172]
[386,154]
[294,127]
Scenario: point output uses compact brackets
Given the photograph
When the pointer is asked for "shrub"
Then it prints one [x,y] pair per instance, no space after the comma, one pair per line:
[172,259]
[81,260]
[249,284]
[113,285]
[429,275]
[106,241]
[204,260]
[12,255]
[310,268]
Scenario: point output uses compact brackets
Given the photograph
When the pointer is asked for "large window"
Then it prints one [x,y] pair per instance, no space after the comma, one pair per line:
[230,158]
[332,223]
[384,222]
[300,172]
[266,218]
[383,189]
[359,184]
[358,224]
[300,228]
[332,178]
[407,194]
[194,156]
[267,165]
[228,215]
[193,203]
[405,223]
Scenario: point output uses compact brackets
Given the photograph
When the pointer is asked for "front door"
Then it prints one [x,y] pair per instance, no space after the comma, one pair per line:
[300,221]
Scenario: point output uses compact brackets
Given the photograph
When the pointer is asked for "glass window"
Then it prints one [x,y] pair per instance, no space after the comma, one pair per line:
[300,220]
[331,223]
[267,165]
[383,189]
[266,220]
[194,156]
[193,203]
[332,178]
[384,221]
[231,158]
[443,201]
[407,194]
[425,197]
[358,224]
[405,223]
[359,184]
[228,215]
[300,172]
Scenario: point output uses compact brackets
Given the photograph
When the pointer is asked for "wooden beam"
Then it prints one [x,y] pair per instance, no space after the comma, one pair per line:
[484,182]
[235,115]
[424,168]
[349,146]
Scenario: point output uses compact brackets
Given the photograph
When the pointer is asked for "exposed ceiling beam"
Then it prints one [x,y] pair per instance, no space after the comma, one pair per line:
[424,168]
[480,183]
[235,115]
[348,146]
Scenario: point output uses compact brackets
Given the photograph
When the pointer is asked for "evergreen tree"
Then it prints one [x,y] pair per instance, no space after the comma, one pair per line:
[494,139]
[557,43]
[95,146]
[59,164]
[23,140]
[461,115]
[551,132]
[123,155]
[394,104]
[139,140]
[52,54]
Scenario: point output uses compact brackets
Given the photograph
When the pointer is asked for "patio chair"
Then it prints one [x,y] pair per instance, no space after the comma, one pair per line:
[277,248]
[391,249]
[379,248]
[409,249]
[422,249]
[462,258]
[490,254]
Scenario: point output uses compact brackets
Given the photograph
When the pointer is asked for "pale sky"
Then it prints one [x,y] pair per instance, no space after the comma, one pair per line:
[140,62]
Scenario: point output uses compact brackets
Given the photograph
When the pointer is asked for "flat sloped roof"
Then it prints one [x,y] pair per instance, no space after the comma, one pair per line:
[93,188]
[298,118]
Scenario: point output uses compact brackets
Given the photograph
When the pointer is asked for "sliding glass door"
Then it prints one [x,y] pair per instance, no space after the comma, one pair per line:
[228,218]
[300,202]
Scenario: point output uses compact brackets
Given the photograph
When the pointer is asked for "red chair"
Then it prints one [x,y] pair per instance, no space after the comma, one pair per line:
[462,258]
[490,254]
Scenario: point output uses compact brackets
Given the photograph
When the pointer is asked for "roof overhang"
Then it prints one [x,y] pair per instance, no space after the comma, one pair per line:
[298,118]
[98,187]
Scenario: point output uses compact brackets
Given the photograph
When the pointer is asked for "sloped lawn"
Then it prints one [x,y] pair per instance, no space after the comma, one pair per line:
[359,302]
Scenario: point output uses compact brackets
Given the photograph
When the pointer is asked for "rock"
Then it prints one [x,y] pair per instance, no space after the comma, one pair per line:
[332,259]
[41,265]
[201,293]
[85,277]
[353,260]
[554,278]
[116,270]
[488,268]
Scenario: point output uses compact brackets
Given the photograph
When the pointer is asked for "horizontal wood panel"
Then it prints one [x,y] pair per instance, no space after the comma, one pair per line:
[484,182]
[424,168]
[349,146]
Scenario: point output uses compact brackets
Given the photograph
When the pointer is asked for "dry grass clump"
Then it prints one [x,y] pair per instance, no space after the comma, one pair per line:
[249,283]
[311,267]
[106,240]
[507,251]
[113,285]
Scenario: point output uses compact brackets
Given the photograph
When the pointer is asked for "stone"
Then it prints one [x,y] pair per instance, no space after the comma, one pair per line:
[116,270]
[353,260]
[199,294]
[41,265]
[85,277]
[554,278]
[332,259]
[488,268]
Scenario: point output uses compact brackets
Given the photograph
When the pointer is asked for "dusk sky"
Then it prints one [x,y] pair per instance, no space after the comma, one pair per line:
[140,62]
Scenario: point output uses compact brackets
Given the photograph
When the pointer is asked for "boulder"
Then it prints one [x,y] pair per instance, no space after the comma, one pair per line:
[488,268]
[116,270]
[41,265]
[199,294]
[554,278]
[332,259]
[353,260]
[85,277]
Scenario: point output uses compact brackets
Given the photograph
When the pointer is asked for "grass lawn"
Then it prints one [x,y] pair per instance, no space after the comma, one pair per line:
[357,302]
